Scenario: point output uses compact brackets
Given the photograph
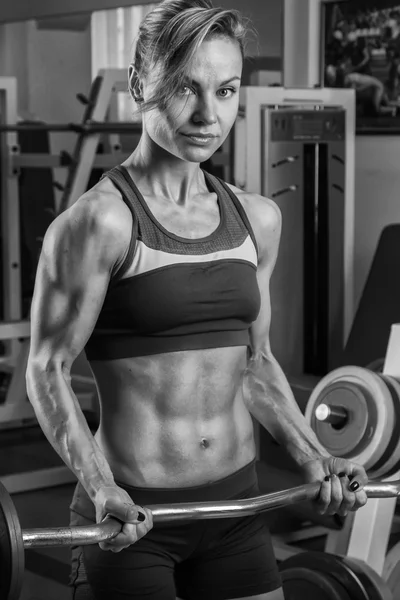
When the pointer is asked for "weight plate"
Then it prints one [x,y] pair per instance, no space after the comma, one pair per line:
[301,584]
[391,457]
[330,565]
[352,435]
[391,570]
[374,585]
[12,557]
[376,365]
[368,400]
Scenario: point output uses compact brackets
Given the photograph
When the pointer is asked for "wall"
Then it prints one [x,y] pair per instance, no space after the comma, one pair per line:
[377,199]
[13,59]
[51,68]
[266,16]
[266,13]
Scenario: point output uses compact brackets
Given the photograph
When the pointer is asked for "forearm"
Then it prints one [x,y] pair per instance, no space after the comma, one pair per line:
[270,400]
[64,424]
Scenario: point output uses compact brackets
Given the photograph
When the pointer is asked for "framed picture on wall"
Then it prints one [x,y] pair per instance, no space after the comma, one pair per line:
[361,50]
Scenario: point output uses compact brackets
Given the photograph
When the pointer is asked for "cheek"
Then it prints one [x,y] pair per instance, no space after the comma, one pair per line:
[164,125]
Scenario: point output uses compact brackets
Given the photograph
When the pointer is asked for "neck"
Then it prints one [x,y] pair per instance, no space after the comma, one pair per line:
[162,174]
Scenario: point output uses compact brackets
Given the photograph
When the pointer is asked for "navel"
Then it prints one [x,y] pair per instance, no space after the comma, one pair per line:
[204,443]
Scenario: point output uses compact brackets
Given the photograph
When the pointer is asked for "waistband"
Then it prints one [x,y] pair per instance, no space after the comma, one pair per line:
[241,483]
[230,487]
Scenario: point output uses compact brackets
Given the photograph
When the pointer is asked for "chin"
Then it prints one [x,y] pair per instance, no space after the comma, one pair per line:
[197,155]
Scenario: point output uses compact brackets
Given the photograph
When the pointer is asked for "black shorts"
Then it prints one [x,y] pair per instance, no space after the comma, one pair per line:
[215,559]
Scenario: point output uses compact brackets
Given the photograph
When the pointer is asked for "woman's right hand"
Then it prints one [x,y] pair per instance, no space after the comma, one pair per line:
[115,502]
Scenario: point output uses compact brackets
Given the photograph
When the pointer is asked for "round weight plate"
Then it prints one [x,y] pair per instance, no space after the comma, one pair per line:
[302,584]
[374,585]
[391,457]
[351,436]
[331,565]
[12,557]
[372,396]
[391,570]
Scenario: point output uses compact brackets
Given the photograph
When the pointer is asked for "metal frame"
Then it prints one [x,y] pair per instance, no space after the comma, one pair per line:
[248,152]
[10,217]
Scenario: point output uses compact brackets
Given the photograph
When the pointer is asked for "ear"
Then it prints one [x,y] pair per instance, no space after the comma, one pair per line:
[135,85]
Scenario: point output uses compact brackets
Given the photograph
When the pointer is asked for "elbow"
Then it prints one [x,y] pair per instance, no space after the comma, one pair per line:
[41,376]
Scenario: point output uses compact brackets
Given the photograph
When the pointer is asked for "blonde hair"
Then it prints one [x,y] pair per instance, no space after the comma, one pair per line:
[169,37]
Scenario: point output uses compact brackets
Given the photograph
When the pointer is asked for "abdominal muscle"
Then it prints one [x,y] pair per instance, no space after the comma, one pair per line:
[174,420]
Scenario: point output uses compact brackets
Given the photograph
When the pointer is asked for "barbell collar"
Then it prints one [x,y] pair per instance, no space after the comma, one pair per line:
[109,528]
[330,413]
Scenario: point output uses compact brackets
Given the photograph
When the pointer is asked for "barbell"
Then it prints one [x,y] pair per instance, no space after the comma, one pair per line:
[13,540]
[355,413]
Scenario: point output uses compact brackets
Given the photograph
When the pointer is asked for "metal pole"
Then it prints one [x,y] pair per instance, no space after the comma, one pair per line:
[109,528]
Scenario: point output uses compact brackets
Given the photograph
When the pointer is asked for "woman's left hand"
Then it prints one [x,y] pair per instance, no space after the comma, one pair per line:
[342,484]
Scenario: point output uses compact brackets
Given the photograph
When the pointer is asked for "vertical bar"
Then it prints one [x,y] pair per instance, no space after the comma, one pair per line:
[310,289]
[316,259]
[10,214]
[323,237]
[85,151]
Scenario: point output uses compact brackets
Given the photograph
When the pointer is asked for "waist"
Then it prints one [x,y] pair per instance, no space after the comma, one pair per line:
[233,486]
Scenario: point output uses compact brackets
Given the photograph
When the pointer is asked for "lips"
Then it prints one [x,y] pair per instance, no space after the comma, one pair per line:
[201,136]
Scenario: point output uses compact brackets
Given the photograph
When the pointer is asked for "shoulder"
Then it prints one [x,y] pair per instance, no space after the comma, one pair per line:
[100,215]
[264,216]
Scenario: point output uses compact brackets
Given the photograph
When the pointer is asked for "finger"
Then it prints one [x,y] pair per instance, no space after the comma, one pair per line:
[336,495]
[149,517]
[126,512]
[123,540]
[324,496]
[358,477]
[361,500]
[348,497]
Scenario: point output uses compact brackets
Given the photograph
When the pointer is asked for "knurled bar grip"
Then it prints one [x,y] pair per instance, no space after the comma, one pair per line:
[109,528]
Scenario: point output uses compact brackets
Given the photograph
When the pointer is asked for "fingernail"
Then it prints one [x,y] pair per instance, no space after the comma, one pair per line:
[354,486]
[342,474]
[141,517]
[327,478]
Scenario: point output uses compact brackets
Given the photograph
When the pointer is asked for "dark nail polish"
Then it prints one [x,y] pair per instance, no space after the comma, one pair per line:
[141,517]
[354,486]
[342,474]
[327,478]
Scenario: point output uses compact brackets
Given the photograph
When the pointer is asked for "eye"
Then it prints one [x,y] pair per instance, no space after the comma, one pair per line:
[186,91]
[231,90]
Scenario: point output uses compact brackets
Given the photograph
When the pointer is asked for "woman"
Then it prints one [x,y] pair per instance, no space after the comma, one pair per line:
[161,272]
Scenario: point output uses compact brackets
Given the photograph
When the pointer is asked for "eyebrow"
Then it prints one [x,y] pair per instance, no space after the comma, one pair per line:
[222,82]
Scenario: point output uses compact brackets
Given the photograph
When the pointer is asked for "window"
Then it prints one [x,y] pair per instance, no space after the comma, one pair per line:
[113,38]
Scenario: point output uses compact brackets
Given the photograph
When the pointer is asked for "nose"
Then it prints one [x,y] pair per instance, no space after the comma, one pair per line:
[205,111]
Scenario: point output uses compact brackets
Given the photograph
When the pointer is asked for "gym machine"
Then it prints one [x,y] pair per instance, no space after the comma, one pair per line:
[296,146]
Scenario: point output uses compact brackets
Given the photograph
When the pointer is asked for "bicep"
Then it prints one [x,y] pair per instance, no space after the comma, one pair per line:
[269,232]
[71,282]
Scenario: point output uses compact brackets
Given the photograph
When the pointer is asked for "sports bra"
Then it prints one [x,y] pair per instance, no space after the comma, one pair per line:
[181,294]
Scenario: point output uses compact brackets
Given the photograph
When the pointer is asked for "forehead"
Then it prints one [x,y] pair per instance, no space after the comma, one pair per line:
[219,57]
